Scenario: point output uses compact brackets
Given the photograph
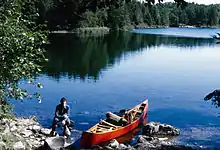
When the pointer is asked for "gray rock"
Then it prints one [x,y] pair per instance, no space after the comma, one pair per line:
[13,128]
[122,147]
[45,131]
[113,144]
[19,145]
[154,128]
[26,133]
[141,139]
[55,143]
[145,146]
[144,138]
[36,128]
[13,123]
[108,148]
[96,147]
[2,144]
[7,129]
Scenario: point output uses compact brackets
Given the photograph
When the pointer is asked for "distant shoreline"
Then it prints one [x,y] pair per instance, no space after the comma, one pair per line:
[105,30]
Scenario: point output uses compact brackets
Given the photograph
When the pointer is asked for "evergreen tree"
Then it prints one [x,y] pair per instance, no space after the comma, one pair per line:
[213,16]
[147,16]
[165,20]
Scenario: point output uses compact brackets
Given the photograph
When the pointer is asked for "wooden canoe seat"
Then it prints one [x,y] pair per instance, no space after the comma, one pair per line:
[137,111]
[104,129]
[104,126]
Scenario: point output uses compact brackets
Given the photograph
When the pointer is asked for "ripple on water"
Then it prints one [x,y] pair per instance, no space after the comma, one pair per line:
[201,136]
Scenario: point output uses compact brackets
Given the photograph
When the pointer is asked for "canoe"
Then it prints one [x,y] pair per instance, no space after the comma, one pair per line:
[105,131]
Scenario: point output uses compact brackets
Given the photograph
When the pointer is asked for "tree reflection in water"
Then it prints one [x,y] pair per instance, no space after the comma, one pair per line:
[86,56]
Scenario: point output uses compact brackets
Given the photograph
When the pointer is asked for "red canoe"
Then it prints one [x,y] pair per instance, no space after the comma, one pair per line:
[104,131]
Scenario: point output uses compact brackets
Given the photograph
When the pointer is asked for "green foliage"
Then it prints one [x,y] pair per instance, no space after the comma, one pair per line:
[21,54]
[147,16]
[119,14]
[118,18]
[89,19]
[213,14]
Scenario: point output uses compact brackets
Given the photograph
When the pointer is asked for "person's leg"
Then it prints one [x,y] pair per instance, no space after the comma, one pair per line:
[55,121]
[68,122]
[66,131]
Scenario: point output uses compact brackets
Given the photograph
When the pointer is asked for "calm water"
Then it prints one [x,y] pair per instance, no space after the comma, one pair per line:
[119,70]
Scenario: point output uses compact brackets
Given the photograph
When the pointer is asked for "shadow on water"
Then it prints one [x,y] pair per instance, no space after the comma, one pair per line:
[85,57]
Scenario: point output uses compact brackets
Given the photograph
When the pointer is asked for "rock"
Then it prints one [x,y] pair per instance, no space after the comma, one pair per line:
[108,148]
[35,143]
[54,143]
[122,147]
[4,121]
[36,128]
[154,128]
[26,133]
[7,129]
[2,144]
[141,139]
[163,139]
[19,145]
[144,138]
[17,135]
[144,146]
[13,123]
[96,147]
[13,128]
[45,131]
[113,144]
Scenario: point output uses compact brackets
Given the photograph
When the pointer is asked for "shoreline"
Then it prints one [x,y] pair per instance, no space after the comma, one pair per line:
[28,134]
[105,30]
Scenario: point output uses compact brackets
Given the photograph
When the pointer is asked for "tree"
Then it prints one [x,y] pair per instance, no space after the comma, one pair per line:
[89,19]
[156,15]
[165,20]
[21,54]
[147,16]
[191,14]
[174,20]
[213,16]
[138,15]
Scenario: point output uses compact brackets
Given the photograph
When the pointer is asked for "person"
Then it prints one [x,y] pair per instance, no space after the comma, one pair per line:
[61,115]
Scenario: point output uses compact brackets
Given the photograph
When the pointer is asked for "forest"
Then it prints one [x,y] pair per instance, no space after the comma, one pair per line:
[24,25]
[124,14]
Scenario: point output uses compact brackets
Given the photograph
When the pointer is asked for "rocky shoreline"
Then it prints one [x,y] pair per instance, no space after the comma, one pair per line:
[28,134]
[22,133]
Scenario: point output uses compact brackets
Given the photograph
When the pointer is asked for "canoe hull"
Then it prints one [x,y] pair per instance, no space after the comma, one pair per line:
[89,138]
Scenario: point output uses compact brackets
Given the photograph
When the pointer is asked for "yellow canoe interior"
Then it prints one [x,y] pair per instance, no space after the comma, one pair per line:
[104,126]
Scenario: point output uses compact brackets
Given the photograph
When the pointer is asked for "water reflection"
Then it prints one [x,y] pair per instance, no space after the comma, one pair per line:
[83,56]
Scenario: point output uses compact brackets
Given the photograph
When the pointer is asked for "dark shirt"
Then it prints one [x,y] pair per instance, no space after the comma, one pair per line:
[61,111]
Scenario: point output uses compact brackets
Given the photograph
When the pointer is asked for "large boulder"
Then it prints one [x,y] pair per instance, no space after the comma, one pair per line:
[155,128]
[45,131]
[55,143]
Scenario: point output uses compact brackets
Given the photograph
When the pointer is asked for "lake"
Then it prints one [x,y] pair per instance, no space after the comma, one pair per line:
[174,68]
